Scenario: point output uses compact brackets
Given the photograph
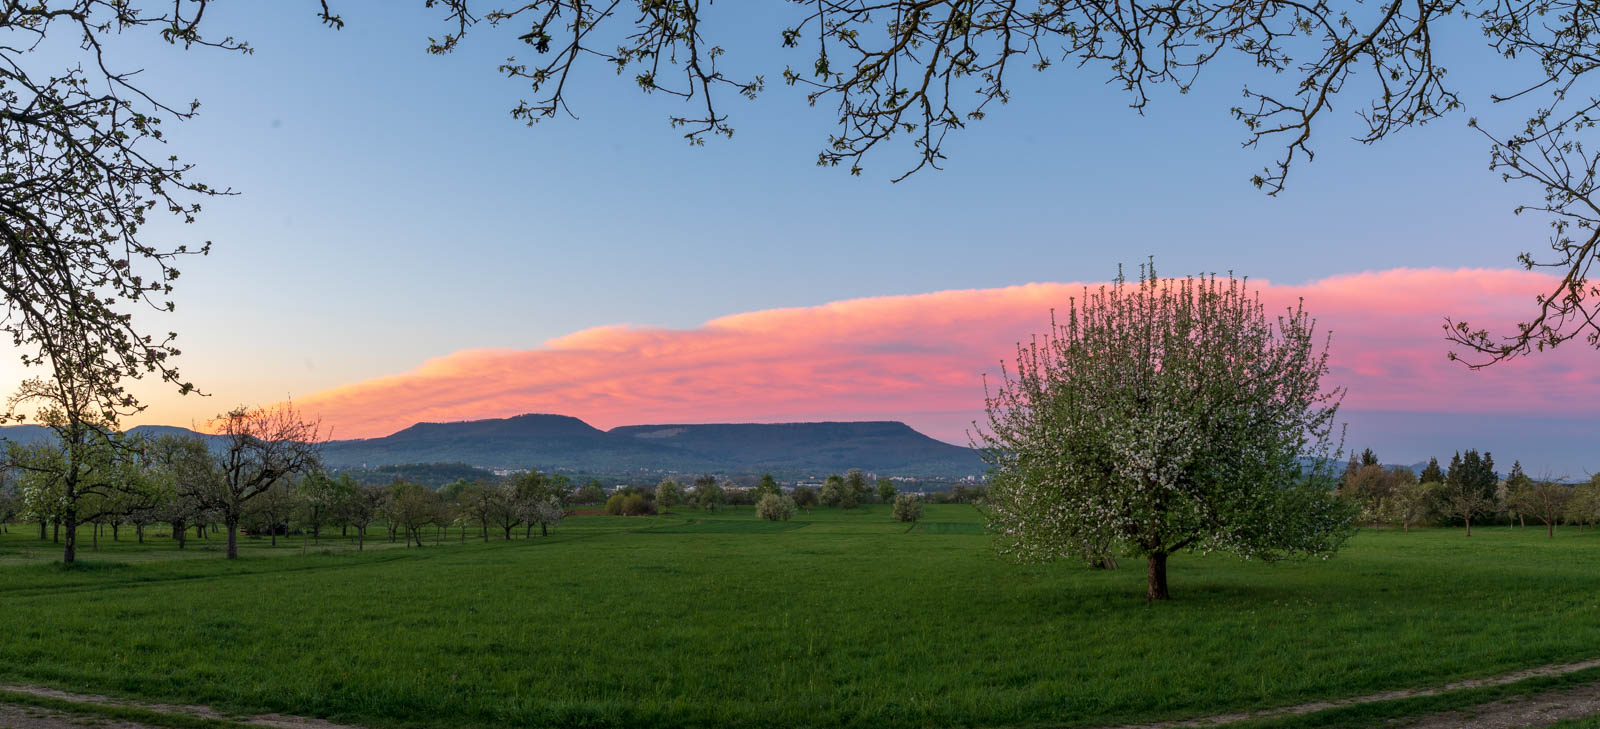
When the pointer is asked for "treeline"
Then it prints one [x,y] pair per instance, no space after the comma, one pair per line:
[1468,491]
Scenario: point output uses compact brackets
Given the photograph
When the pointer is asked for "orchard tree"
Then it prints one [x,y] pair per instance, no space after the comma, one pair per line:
[320,496]
[1544,500]
[478,504]
[886,490]
[361,508]
[548,514]
[505,510]
[259,447]
[414,507]
[183,465]
[1165,415]
[86,473]
[805,497]
[833,491]
[1583,508]
[707,493]
[775,507]
[1413,503]
[591,494]
[273,510]
[668,493]
[856,484]
[907,507]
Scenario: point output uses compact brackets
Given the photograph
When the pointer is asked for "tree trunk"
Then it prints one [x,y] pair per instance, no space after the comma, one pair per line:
[316,533]
[1469,526]
[139,530]
[180,532]
[95,539]
[527,531]
[508,534]
[274,530]
[485,526]
[361,540]
[1550,529]
[43,532]
[344,530]
[232,523]
[544,530]
[115,527]
[69,552]
[1156,576]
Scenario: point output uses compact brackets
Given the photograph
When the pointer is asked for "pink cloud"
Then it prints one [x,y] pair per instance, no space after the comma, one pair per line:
[921,358]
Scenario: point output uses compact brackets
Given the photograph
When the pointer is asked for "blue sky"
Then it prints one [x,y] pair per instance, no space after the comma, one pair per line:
[392,211]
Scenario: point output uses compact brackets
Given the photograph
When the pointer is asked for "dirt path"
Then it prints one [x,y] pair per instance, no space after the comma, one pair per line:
[1557,669]
[1517,713]
[49,719]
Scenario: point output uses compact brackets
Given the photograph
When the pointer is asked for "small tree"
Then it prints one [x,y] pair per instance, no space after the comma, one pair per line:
[669,493]
[1413,503]
[415,506]
[886,490]
[1162,416]
[707,493]
[1545,500]
[805,497]
[183,465]
[1583,508]
[505,512]
[272,510]
[548,514]
[907,508]
[856,484]
[320,497]
[833,491]
[774,507]
[591,494]
[361,508]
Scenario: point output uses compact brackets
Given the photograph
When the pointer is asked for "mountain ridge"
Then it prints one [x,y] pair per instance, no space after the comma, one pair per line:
[554,442]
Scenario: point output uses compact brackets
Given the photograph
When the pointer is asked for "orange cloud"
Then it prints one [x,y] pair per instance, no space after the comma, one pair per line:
[921,358]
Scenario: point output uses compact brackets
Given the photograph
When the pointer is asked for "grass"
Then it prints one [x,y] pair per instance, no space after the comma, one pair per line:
[838,619]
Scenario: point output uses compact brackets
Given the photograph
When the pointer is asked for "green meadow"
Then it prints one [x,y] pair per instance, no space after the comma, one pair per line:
[837,619]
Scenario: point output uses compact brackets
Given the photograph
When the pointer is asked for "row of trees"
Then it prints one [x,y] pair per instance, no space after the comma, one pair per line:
[1468,491]
[91,473]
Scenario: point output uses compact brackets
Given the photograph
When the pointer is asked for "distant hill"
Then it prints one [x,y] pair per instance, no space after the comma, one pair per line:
[560,442]
[884,446]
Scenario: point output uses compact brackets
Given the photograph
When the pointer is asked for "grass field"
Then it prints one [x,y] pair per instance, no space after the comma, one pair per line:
[838,619]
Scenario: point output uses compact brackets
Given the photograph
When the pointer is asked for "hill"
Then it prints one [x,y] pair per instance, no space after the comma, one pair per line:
[564,443]
[559,442]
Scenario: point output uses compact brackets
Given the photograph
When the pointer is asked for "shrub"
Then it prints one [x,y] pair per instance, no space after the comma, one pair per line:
[907,508]
[773,507]
[614,504]
[637,505]
[805,496]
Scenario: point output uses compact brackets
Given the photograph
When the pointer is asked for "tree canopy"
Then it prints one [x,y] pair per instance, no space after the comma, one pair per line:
[1165,415]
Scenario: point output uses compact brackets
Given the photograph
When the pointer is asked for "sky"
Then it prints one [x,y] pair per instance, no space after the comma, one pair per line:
[400,249]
